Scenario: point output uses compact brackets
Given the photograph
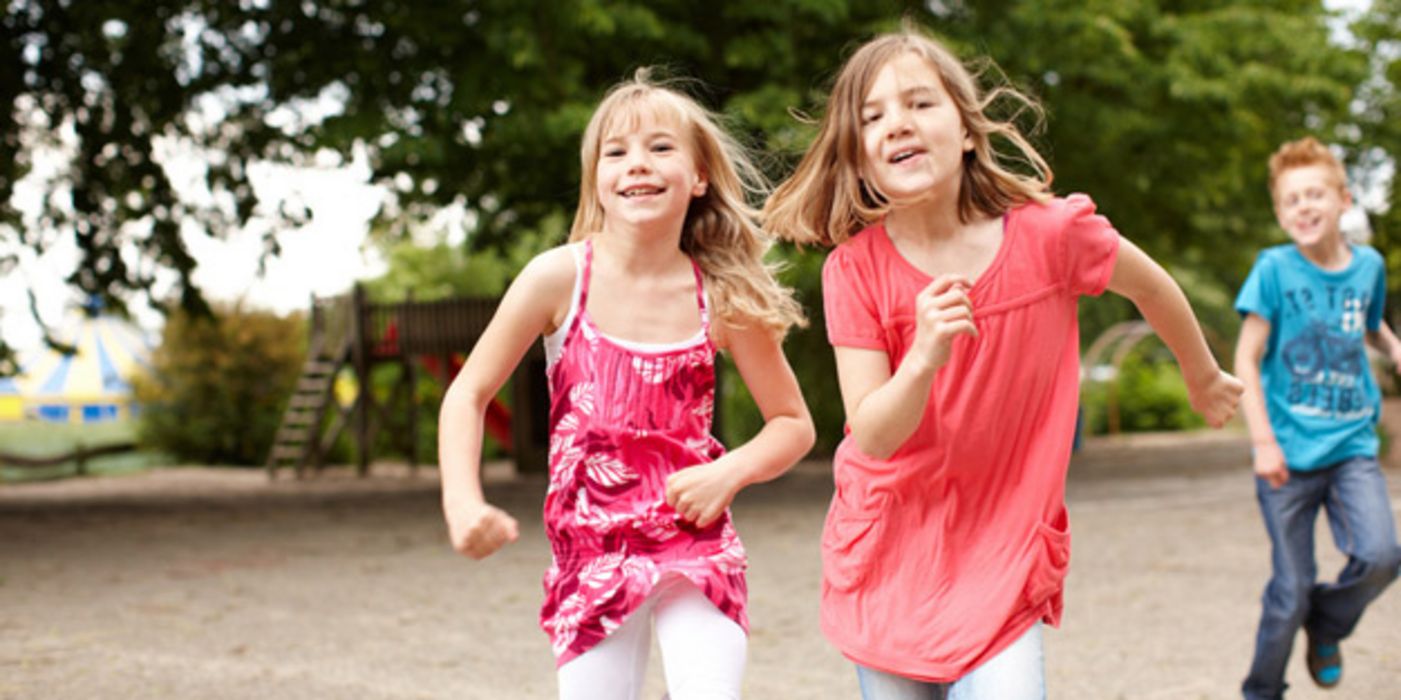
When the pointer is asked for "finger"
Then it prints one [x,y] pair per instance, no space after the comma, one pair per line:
[953,298]
[964,327]
[513,529]
[955,313]
[672,491]
[943,283]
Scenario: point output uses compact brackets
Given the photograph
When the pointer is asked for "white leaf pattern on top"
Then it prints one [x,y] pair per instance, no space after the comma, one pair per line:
[581,397]
[653,370]
[607,471]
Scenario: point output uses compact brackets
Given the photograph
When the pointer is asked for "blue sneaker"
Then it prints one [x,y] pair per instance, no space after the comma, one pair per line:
[1325,663]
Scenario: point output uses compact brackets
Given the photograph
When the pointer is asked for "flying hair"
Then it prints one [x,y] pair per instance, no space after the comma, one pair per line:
[826,200]
[721,232]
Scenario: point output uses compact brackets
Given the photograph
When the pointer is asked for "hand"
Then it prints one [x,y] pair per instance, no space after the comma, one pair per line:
[477,529]
[1216,397]
[1396,360]
[1269,464]
[700,494]
[942,313]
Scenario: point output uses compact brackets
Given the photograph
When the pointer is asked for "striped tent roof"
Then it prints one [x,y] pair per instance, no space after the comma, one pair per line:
[91,384]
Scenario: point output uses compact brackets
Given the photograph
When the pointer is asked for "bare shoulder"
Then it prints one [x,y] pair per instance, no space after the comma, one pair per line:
[548,280]
[551,269]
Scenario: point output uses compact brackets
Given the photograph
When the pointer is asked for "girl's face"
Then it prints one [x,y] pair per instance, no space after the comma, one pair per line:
[647,173]
[912,135]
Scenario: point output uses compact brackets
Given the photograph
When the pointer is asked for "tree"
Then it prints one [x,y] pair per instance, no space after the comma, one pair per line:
[1163,110]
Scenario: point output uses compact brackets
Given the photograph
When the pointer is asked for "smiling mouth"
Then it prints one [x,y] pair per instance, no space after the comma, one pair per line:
[641,191]
[904,154]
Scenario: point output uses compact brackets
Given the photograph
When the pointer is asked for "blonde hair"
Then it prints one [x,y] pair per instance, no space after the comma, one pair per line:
[1302,153]
[721,232]
[826,201]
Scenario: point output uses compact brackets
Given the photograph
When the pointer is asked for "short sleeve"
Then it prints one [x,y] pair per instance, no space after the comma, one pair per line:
[1260,293]
[1378,306]
[1089,247]
[847,301]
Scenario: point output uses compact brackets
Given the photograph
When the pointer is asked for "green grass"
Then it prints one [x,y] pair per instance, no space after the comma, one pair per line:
[43,439]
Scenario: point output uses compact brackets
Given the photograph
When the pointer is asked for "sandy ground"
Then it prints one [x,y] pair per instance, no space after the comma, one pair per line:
[200,583]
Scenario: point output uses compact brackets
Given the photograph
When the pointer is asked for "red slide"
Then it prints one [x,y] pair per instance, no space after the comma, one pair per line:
[498,417]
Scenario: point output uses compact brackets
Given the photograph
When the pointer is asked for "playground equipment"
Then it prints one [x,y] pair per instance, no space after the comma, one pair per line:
[350,333]
[1116,342]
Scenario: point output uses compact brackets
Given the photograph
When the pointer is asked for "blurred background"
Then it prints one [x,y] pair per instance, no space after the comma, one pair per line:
[178,178]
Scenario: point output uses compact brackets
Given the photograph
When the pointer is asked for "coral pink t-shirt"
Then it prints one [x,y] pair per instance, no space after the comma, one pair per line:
[940,556]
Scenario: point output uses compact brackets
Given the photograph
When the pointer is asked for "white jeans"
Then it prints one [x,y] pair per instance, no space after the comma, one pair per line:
[703,651]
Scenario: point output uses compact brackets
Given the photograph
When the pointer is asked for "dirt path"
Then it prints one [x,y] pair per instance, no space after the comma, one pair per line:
[198,583]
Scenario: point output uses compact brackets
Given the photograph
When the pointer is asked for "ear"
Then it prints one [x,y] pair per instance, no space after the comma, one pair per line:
[702,183]
[968,144]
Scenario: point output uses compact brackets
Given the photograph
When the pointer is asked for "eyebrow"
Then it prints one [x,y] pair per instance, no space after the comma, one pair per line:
[659,133]
[906,93]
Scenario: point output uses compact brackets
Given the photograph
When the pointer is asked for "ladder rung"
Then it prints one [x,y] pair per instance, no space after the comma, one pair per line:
[290,434]
[298,418]
[313,384]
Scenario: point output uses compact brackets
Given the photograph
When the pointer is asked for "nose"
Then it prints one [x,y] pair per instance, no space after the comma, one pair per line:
[898,124]
[639,161]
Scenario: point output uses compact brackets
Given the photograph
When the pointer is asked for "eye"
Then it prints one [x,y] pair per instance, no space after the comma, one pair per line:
[922,104]
[662,147]
[870,117]
[613,152]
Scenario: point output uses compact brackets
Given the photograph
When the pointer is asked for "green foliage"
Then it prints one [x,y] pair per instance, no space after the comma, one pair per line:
[1163,111]
[219,383]
[440,271]
[1148,391]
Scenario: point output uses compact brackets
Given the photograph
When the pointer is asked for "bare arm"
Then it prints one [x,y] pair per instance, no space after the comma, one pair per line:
[1213,393]
[1268,458]
[702,493]
[884,408]
[477,528]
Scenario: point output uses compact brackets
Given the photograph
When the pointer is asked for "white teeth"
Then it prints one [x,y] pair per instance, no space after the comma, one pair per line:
[635,191]
[903,155]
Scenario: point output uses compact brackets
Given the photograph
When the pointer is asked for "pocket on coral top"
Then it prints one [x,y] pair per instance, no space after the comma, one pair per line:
[848,546]
[1050,553]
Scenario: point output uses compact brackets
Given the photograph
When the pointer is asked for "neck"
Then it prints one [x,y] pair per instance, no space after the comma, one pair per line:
[931,219]
[638,249]
[1332,253]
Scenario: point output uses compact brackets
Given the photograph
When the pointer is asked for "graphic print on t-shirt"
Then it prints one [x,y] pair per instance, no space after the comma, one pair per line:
[1326,360]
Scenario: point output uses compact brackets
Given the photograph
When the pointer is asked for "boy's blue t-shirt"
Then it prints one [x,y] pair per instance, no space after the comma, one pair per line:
[1321,397]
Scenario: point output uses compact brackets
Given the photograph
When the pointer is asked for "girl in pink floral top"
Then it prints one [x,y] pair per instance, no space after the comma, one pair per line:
[664,268]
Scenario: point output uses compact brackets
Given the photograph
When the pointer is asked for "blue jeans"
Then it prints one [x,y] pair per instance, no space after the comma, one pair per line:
[1017,673]
[1359,514]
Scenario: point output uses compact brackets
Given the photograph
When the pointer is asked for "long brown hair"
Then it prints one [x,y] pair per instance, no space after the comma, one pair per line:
[826,201]
[721,232]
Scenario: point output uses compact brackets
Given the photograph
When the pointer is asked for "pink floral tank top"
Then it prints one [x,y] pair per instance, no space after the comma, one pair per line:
[623,417]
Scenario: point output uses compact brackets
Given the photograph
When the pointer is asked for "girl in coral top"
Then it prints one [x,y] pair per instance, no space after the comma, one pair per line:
[950,301]
[665,265]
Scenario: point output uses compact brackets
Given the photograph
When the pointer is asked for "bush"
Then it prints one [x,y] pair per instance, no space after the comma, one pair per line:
[218,385]
[810,356]
[1151,396]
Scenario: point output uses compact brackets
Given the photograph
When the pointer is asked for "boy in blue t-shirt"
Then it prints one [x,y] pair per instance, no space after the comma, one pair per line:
[1312,405]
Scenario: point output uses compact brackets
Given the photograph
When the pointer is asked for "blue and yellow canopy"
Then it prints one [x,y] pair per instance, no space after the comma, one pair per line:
[92,384]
